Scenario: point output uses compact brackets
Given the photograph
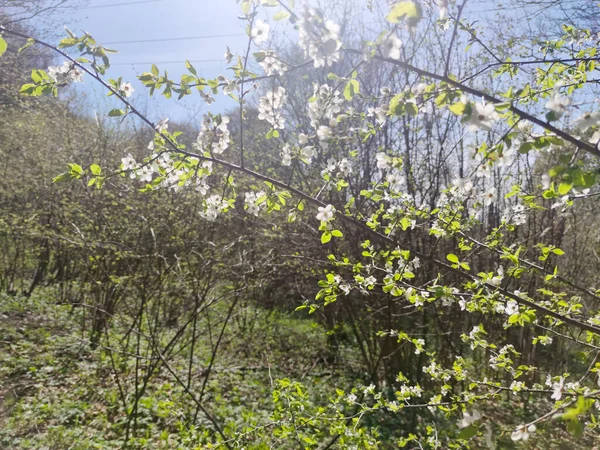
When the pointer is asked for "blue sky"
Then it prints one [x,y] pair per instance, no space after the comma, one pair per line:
[116,24]
[178,23]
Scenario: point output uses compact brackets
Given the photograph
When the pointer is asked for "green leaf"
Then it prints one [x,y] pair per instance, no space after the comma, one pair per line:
[575,427]
[325,237]
[459,109]
[3,46]
[67,42]
[452,258]
[411,108]
[564,188]
[29,43]
[246,6]
[76,170]
[29,89]
[405,223]
[441,99]
[281,15]
[116,113]
[406,10]
[468,433]
[337,233]
[525,147]
[191,68]
[95,169]
[62,177]
[38,76]
[395,105]
[352,88]
[514,318]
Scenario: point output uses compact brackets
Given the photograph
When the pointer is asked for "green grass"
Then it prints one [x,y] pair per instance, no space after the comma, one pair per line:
[58,393]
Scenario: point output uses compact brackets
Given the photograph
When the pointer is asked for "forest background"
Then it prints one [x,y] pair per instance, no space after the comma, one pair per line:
[391,263]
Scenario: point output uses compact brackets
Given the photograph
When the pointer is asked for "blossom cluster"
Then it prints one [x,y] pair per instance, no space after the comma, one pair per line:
[323,107]
[214,136]
[272,64]
[304,151]
[252,201]
[66,73]
[319,38]
[269,108]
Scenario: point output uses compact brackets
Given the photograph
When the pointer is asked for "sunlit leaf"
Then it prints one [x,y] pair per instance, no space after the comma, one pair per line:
[409,11]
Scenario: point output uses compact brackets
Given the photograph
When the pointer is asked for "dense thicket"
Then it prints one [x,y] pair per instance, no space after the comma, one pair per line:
[181,332]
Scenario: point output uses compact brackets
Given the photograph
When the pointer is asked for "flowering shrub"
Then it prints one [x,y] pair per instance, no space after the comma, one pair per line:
[440,230]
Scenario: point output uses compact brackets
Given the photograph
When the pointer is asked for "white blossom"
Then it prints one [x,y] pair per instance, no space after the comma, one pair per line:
[208,99]
[463,186]
[307,153]
[558,104]
[369,390]
[507,157]
[557,389]
[66,73]
[213,206]
[516,215]
[251,202]
[260,32]
[146,173]
[129,163]
[517,386]
[319,38]
[546,180]
[201,186]
[228,85]
[214,135]
[483,117]
[126,89]
[395,180]
[326,103]
[271,64]
[326,213]
[286,155]
[383,161]
[512,307]
[162,126]
[345,167]
[588,120]
[390,47]
[324,133]
[489,196]
[302,139]
[561,203]
[522,432]
[379,113]
[469,418]
[269,108]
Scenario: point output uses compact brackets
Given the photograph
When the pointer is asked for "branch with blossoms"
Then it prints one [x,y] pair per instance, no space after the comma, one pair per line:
[72,69]
[386,216]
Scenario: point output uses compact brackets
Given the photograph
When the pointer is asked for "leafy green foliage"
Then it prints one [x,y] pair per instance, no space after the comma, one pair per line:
[3,46]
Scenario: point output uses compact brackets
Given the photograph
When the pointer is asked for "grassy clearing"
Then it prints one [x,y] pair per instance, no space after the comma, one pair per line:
[58,393]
